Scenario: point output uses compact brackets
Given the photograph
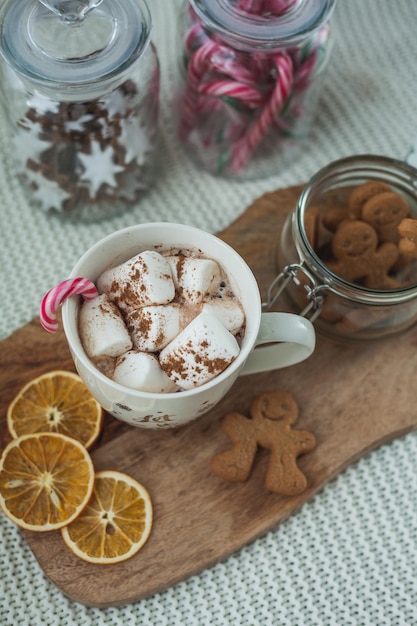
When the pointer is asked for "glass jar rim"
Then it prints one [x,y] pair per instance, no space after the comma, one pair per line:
[348,169]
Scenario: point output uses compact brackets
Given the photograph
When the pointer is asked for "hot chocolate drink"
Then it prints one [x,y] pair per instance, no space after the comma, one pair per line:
[164,321]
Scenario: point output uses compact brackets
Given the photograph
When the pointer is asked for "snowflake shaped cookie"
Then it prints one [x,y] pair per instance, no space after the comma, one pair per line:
[99,168]
[27,143]
[48,194]
[114,104]
[79,124]
[41,104]
[135,140]
[108,128]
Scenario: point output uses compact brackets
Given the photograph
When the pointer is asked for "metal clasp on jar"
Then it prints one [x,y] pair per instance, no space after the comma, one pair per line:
[314,291]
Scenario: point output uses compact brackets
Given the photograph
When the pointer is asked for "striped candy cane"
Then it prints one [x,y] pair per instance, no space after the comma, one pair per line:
[308,58]
[56,296]
[233,89]
[220,61]
[244,147]
[194,38]
[197,66]
[226,63]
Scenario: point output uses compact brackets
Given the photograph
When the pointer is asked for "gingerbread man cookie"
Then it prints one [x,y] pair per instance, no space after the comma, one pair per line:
[362,193]
[384,212]
[333,217]
[270,427]
[407,230]
[358,257]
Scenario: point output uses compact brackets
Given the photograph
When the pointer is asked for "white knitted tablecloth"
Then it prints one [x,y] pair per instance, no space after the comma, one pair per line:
[349,556]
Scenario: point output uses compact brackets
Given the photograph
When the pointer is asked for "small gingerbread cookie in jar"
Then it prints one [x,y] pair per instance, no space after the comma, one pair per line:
[80,87]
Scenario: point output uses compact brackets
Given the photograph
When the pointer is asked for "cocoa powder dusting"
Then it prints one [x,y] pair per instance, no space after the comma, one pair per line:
[180,270]
[175,367]
[139,321]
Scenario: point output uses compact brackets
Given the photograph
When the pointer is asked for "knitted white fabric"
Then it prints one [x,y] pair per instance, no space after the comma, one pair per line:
[349,557]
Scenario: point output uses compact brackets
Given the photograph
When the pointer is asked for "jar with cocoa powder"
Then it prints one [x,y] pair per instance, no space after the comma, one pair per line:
[80,87]
[251,75]
[347,257]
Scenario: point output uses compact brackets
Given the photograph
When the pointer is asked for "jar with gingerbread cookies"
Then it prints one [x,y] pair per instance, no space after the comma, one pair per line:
[347,256]
[80,88]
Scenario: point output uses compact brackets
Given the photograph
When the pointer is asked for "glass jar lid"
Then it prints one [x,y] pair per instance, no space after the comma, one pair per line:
[256,24]
[73,41]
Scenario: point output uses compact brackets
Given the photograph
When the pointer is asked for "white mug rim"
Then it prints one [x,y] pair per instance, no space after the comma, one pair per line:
[70,305]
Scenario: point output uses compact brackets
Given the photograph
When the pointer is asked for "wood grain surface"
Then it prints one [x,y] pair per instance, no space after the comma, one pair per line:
[352,397]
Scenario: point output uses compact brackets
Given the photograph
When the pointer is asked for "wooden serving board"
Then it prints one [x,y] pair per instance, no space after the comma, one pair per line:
[352,397]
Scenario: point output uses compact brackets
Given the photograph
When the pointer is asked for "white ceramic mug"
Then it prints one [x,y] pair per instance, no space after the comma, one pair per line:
[290,338]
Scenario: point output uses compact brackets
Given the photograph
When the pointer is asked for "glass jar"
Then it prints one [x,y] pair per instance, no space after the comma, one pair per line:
[307,278]
[80,88]
[250,78]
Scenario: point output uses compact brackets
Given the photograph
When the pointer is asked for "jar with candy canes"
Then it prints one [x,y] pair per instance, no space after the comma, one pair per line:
[80,87]
[251,77]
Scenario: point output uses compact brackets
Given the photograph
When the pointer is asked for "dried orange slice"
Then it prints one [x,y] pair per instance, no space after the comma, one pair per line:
[58,402]
[46,479]
[115,523]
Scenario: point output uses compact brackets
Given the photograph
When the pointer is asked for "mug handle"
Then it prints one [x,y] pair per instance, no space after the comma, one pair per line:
[292,340]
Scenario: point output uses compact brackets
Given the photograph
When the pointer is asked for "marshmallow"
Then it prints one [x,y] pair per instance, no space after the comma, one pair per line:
[199,353]
[102,328]
[228,311]
[153,327]
[194,278]
[143,280]
[141,371]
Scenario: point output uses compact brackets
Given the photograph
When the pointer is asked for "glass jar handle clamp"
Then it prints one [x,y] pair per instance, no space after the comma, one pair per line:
[314,291]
